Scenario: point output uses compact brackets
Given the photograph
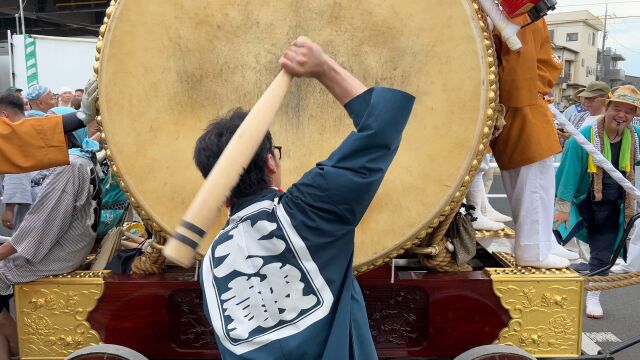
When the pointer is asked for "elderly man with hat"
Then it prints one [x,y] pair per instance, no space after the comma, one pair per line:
[593,99]
[590,205]
[41,100]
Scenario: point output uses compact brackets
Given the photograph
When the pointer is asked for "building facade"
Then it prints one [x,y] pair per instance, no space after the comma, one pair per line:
[608,69]
[575,36]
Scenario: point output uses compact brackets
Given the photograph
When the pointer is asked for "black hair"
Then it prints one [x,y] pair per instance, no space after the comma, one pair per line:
[12,101]
[215,138]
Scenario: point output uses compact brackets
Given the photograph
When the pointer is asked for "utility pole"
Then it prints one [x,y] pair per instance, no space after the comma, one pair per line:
[22,15]
[604,39]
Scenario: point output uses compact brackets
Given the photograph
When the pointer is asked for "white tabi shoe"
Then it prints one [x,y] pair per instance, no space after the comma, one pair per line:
[559,250]
[491,213]
[483,223]
[474,198]
[594,309]
[619,269]
[550,262]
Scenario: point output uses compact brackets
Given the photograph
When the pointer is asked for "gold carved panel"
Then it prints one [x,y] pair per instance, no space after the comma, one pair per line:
[52,314]
[546,309]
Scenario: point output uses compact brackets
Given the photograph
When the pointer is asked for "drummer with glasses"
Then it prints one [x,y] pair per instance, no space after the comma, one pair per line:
[277,280]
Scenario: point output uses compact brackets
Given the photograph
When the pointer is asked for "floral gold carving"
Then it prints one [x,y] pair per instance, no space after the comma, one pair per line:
[52,314]
[545,309]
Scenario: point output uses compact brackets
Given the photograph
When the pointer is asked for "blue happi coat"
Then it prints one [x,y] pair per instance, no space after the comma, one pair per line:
[277,280]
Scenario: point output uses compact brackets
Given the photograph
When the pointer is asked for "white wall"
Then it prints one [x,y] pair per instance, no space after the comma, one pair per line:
[5,73]
[61,61]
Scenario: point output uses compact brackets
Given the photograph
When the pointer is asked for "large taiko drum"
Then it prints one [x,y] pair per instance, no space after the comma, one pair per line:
[167,68]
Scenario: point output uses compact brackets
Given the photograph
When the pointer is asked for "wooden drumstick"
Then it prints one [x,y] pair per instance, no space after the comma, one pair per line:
[224,176]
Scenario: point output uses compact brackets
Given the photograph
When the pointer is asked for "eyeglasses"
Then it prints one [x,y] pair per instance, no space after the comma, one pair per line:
[277,149]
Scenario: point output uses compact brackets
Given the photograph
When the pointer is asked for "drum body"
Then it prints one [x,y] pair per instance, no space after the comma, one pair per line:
[166,69]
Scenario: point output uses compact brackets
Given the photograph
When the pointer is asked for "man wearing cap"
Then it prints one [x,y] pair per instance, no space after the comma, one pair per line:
[590,205]
[39,143]
[593,99]
[13,90]
[41,100]
[65,96]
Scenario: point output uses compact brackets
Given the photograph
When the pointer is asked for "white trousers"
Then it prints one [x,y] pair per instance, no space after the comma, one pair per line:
[633,252]
[478,182]
[531,190]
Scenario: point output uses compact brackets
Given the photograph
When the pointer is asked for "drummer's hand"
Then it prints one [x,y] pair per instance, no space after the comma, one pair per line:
[304,58]
[88,104]
[560,217]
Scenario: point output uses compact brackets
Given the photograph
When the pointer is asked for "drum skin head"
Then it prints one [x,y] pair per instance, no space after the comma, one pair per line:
[166,69]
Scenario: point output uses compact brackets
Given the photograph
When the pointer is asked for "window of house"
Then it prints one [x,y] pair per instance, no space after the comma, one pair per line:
[593,39]
[572,36]
[567,71]
[582,62]
[551,33]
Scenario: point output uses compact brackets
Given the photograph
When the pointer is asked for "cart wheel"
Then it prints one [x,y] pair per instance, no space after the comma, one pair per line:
[105,352]
[495,352]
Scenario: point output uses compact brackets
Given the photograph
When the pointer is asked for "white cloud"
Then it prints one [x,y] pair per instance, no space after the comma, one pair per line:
[623,32]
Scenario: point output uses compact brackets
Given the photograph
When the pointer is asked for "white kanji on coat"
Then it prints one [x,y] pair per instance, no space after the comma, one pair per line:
[251,303]
[244,249]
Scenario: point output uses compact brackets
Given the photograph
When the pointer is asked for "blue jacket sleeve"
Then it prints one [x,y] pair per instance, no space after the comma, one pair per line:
[343,185]
[572,167]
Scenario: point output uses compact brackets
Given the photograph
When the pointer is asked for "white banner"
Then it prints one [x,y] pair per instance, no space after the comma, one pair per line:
[61,61]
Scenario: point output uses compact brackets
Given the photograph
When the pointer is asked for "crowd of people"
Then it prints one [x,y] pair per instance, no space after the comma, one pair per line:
[52,213]
[591,207]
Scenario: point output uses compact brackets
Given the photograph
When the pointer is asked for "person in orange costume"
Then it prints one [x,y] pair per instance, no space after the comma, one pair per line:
[525,147]
[39,143]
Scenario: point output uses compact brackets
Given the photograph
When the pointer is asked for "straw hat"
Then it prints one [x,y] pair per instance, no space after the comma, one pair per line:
[627,94]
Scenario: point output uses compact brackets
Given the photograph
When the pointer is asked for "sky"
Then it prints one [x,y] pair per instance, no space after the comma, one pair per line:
[623,29]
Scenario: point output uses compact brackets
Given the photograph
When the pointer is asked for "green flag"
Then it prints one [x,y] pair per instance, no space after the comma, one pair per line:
[31,60]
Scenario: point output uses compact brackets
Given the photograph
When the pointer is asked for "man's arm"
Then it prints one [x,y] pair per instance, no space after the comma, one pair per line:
[40,143]
[568,176]
[6,250]
[344,184]
[16,190]
[87,113]
[304,58]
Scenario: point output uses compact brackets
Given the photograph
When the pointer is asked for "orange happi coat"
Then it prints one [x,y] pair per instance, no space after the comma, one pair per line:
[525,77]
[32,144]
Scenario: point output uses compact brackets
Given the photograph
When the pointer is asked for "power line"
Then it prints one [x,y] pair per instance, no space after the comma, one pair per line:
[621,44]
[599,3]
